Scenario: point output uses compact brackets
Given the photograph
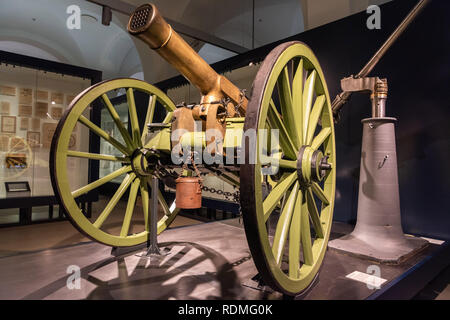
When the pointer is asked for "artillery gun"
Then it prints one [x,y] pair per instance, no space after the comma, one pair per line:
[277,147]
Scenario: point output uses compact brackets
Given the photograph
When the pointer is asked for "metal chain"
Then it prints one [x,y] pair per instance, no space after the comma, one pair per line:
[234,195]
[197,172]
[226,194]
[227,100]
[242,96]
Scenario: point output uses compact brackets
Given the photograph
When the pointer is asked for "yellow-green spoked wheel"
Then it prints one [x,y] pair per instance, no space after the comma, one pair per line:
[122,152]
[288,224]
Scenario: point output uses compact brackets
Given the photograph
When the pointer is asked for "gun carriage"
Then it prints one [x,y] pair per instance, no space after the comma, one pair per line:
[277,147]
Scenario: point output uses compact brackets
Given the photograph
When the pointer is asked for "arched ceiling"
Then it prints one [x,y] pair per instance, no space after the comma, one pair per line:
[41,24]
[38,28]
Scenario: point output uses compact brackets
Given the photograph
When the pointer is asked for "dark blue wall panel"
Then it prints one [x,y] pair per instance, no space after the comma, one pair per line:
[418,71]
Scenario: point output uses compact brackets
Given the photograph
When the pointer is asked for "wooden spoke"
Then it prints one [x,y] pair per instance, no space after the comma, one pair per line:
[320,138]
[102,134]
[287,164]
[287,145]
[130,208]
[308,95]
[282,163]
[314,118]
[285,95]
[294,238]
[314,213]
[277,193]
[96,156]
[115,116]
[115,198]
[149,116]
[168,117]
[306,235]
[283,225]
[297,101]
[91,186]
[169,212]
[319,193]
[133,117]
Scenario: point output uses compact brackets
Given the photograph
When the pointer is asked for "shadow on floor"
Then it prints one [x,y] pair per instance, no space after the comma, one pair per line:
[175,279]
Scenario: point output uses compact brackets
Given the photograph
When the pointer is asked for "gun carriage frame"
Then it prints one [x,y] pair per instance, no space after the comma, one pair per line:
[287,211]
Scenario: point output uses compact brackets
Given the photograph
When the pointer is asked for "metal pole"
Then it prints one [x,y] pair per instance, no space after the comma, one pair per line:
[390,41]
[253,24]
[343,97]
[153,248]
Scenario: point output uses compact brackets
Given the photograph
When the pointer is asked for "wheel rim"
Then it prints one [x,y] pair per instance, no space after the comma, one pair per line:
[134,180]
[290,94]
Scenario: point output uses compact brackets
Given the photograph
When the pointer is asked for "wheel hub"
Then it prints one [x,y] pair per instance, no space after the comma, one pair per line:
[312,166]
[144,161]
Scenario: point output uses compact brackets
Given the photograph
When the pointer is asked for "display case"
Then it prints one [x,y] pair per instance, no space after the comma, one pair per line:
[107,124]
[34,95]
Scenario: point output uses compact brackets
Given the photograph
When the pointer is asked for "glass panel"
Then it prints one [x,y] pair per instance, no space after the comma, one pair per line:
[40,213]
[107,123]
[9,216]
[31,104]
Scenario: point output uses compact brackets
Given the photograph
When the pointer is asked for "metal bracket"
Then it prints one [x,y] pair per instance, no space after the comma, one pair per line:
[257,283]
[367,84]
[376,87]
[120,251]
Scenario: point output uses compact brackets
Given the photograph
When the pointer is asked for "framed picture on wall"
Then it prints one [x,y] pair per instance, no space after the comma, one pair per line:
[56,113]
[35,124]
[42,95]
[25,110]
[57,98]
[69,98]
[4,142]
[5,107]
[25,96]
[24,123]
[8,91]
[33,138]
[41,109]
[9,124]
[48,130]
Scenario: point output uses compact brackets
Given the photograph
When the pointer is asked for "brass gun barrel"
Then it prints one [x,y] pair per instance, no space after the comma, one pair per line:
[147,24]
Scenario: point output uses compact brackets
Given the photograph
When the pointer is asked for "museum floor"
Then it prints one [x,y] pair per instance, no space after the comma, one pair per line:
[22,239]
[206,261]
